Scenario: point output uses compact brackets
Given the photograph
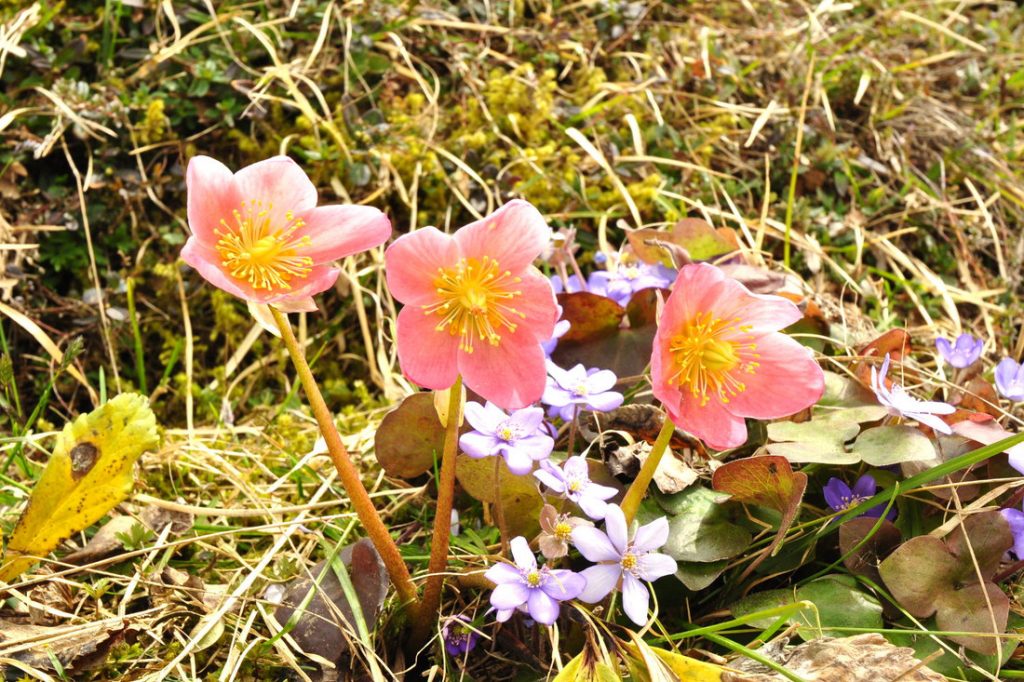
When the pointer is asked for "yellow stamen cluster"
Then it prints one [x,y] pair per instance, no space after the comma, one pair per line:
[533,578]
[264,255]
[563,531]
[629,561]
[708,353]
[475,297]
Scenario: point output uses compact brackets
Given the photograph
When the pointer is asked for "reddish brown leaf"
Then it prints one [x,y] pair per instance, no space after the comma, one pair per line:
[591,317]
[767,481]
[409,437]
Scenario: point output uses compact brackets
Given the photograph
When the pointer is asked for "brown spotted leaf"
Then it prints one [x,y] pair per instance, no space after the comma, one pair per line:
[90,471]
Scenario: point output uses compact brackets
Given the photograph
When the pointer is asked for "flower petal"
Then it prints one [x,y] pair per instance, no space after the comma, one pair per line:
[543,608]
[514,236]
[279,184]
[510,374]
[478,445]
[550,480]
[635,599]
[712,422]
[601,580]
[593,507]
[412,261]
[537,305]
[427,357]
[339,231]
[651,536]
[519,462]
[212,197]
[481,418]
[207,263]
[604,402]
[594,544]
[654,565]
[503,573]
[601,381]
[564,584]
[510,595]
[524,558]
[615,523]
[787,380]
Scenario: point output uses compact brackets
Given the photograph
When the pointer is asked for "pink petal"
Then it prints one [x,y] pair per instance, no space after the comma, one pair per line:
[412,263]
[206,262]
[340,231]
[298,305]
[594,545]
[299,297]
[698,288]
[280,185]
[537,304]
[635,599]
[601,579]
[212,197]
[712,423]
[766,313]
[788,380]
[511,374]
[514,236]
[427,356]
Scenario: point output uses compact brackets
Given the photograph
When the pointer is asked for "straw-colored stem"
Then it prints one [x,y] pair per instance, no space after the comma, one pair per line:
[347,471]
[637,490]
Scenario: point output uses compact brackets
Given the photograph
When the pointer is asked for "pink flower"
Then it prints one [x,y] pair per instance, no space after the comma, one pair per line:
[718,357]
[258,233]
[474,305]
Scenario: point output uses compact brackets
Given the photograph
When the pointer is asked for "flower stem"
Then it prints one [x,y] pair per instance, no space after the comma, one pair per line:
[426,615]
[347,471]
[636,492]
[499,510]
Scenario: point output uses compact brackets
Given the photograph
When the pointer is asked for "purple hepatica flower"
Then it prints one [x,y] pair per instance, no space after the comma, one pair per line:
[1010,379]
[588,388]
[539,589]
[561,327]
[963,352]
[623,560]
[902,404]
[840,497]
[620,282]
[573,481]
[520,438]
[1015,518]
[459,638]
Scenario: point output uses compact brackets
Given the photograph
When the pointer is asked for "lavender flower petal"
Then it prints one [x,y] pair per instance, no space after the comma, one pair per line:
[651,536]
[509,595]
[594,545]
[601,580]
[635,599]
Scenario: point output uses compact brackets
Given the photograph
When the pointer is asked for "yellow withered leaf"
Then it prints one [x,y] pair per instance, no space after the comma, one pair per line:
[90,471]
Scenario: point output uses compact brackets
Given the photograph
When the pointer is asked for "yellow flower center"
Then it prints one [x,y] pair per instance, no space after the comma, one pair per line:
[708,353]
[533,578]
[629,561]
[563,531]
[264,255]
[475,297]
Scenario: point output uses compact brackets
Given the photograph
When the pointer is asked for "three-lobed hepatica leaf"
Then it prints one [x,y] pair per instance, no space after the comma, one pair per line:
[89,472]
[702,537]
[838,600]
[929,576]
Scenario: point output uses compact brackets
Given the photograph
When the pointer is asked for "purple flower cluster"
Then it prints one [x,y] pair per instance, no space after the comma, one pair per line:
[579,387]
[1010,379]
[619,281]
[841,497]
[963,352]
[525,586]
[572,480]
[624,561]
[521,438]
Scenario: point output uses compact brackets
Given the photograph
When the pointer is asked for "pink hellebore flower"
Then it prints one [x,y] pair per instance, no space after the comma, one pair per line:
[719,357]
[474,305]
[258,233]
